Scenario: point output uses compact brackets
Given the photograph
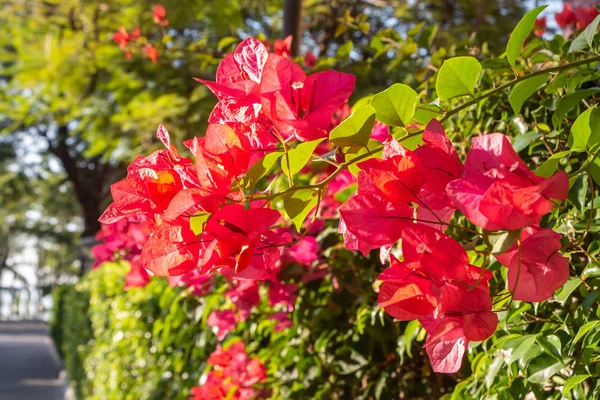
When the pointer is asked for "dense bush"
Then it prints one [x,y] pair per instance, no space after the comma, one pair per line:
[70,328]
[141,344]
[485,271]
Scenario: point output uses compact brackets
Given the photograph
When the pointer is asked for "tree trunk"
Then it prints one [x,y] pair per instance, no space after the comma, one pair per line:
[86,183]
[292,24]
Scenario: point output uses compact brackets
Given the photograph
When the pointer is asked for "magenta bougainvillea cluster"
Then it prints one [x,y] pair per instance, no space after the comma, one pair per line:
[130,40]
[236,215]
[205,219]
[232,376]
[568,19]
[412,196]
[123,240]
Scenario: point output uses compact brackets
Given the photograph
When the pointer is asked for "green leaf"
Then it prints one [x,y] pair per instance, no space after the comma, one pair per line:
[551,345]
[427,35]
[426,112]
[591,271]
[549,167]
[522,141]
[356,129]
[457,77]
[500,241]
[492,371]
[585,38]
[520,33]
[396,105]
[572,382]
[568,288]
[344,50]
[584,330]
[526,345]
[566,104]
[523,90]
[198,222]
[299,156]
[585,130]
[260,169]
[298,204]
[543,368]
[226,42]
[343,195]
[410,333]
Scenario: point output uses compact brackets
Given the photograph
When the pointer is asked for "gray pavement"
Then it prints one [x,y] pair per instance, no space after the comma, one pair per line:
[30,368]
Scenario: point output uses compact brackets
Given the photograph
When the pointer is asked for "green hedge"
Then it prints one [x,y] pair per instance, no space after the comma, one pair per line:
[70,327]
[153,342]
[146,343]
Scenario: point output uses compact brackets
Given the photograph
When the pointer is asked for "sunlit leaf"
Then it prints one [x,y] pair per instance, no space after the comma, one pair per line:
[396,105]
[523,90]
[356,129]
[298,203]
[299,156]
[457,77]
[518,36]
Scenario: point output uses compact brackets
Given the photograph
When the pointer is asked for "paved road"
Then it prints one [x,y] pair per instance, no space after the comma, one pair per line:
[30,368]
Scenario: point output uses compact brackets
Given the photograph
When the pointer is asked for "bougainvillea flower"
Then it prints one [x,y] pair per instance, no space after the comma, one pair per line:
[150,52]
[436,285]
[405,293]
[123,38]
[114,241]
[198,284]
[310,60]
[190,201]
[417,177]
[123,240]
[446,345]
[222,322]
[439,163]
[282,319]
[305,252]
[352,242]
[283,47]
[137,276]
[302,105]
[224,148]
[374,220]
[159,14]
[211,177]
[233,376]
[284,294]
[380,132]
[171,250]
[237,83]
[398,179]
[541,269]
[499,191]
[566,17]
[584,16]
[473,305]
[539,26]
[240,242]
[431,261]
[244,295]
[151,184]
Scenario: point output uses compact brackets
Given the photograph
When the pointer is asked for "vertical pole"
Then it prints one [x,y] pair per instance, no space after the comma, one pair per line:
[292,23]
